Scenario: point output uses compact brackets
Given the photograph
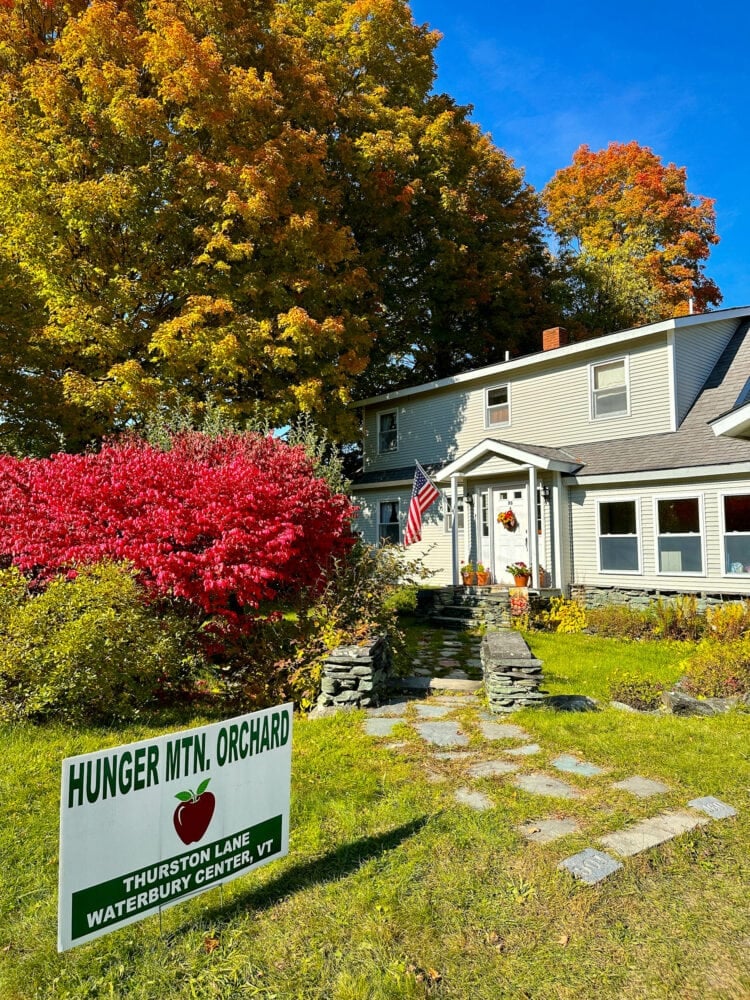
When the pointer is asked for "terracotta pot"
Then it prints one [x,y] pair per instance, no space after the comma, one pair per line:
[469,579]
[521,581]
[483,579]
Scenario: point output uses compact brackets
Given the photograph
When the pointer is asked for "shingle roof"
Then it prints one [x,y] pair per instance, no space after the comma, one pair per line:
[694,442]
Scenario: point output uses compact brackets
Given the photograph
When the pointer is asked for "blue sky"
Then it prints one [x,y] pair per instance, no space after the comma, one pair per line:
[545,77]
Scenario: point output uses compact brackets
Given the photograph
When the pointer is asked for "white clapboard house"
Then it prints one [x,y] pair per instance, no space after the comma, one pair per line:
[625,461]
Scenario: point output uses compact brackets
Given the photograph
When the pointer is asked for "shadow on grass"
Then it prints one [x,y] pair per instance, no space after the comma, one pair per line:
[332,866]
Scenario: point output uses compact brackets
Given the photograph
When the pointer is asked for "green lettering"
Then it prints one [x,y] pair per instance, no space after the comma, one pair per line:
[275,722]
[221,747]
[265,740]
[244,748]
[125,773]
[199,753]
[285,728]
[92,789]
[75,784]
[152,777]
[140,766]
[109,784]
[173,760]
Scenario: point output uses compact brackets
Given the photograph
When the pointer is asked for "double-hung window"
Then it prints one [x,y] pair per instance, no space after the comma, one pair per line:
[448,511]
[619,546]
[389,526]
[679,535]
[497,406]
[737,533]
[387,432]
[609,389]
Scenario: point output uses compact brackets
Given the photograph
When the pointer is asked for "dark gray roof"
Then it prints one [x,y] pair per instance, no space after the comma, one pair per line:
[385,476]
[556,454]
[694,442]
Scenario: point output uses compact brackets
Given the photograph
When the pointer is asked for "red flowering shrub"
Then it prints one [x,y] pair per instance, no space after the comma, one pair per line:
[225,523]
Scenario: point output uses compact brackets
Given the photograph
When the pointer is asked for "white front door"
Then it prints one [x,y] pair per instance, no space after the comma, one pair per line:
[510,546]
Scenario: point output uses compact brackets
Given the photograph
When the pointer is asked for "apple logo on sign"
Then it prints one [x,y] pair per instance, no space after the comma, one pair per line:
[193,814]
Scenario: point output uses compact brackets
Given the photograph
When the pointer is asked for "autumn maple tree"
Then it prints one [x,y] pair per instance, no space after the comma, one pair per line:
[634,240]
[231,204]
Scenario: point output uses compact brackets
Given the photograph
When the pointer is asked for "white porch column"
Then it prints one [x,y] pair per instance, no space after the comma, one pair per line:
[557,527]
[533,537]
[454,527]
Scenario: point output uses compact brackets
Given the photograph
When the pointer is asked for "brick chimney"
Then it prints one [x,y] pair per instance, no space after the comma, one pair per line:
[557,336]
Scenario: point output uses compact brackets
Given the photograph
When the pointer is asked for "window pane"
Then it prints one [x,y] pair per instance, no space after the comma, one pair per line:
[737,553]
[680,555]
[617,518]
[679,517]
[496,397]
[388,432]
[619,554]
[737,513]
[610,401]
[498,415]
[610,375]
[389,528]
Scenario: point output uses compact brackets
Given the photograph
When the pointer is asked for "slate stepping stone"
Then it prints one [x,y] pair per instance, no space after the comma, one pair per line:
[461,674]
[448,663]
[453,755]
[502,731]
[491,768]
[442,734]
[651,832]
[435,778]
[590,866]
[473,799]
[573,766]
[544,784]
[381,727]
[544,831]
[643,788]
[422,672]
[432,711]
[397,707]
[713,807]
[525,751]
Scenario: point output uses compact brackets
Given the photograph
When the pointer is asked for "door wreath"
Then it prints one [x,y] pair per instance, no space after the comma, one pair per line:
[508,520]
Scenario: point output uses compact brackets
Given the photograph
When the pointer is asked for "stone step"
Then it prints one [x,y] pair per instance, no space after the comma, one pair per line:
[433,684]
[455,624]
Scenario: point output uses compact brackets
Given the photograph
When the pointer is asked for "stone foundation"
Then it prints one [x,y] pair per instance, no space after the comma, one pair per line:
[512,676]
[356,676]
[639,600]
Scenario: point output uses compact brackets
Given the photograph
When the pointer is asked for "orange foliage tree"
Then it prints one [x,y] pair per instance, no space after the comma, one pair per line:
[632,237]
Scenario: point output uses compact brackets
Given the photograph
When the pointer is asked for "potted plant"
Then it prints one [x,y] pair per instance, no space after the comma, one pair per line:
[508,520]
[468,575]
[483,576]
[520,573]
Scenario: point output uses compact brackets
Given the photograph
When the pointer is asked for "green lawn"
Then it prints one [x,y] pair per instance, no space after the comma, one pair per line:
[392,891]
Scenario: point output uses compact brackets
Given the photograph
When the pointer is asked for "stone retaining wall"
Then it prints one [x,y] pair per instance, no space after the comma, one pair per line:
[356,676]
[511,674]
[598,597]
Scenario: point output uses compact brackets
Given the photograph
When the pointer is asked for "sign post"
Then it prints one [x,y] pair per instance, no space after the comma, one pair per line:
[148,824]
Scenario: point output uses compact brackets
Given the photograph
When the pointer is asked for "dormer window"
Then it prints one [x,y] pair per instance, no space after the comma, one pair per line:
[609,389]
[387,432]
[497,406]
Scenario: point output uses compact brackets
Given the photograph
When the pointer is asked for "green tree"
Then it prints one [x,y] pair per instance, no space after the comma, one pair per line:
[222,203]
[633,240]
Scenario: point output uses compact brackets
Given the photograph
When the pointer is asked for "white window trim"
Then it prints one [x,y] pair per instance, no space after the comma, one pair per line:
[384,413]
[610,416]
[700,497]
[739,492]
[488,389]
[379,523]
[638,537]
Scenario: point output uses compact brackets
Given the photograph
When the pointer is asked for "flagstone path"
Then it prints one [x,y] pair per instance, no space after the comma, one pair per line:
[446,738]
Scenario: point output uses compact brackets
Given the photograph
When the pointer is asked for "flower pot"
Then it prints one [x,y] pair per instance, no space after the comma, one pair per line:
[469,579]
[483,579]
[521,581]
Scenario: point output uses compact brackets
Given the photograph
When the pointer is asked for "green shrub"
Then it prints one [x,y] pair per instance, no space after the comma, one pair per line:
[620,621]
[719,669]
[678,618]
[643,693]
[402,600]
[89,648]
[727,622]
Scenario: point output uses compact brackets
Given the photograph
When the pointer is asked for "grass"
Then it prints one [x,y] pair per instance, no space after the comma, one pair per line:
[391,891]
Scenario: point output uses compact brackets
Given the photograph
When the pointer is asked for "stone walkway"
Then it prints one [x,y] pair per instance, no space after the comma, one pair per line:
[442,653]
[448,742]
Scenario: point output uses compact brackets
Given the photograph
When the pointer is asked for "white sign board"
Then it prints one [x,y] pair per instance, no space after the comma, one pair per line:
[146,825]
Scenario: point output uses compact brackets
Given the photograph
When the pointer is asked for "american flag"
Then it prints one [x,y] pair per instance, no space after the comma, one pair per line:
[423,493]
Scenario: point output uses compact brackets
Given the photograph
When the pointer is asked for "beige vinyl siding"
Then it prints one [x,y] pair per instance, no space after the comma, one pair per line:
[584,536]
[434,549]
[697,349]
[549,405]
